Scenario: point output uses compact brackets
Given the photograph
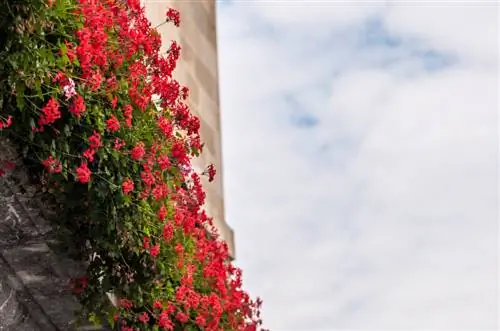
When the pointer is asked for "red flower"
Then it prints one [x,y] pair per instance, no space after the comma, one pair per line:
[70,52]
[162,213]
[157,304]
[184,92]
[211,172]
[7,123]
[168,232]
[114,102]
[95,140]
[173,16]
[127,186]
[83,173]
[182,317]
[119,143]
[165,322]
[52,165]
[138,151]
[95,80]
[125,304]
[113,124]
[112,83]
[89,154]
[50,113]
[163,161]
[155,250]
[78,106]
[200,320]
[165,126]
[144,318]
[145,242]
[127,113]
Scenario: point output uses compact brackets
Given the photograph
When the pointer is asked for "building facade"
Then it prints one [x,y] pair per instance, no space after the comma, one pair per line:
[198,70]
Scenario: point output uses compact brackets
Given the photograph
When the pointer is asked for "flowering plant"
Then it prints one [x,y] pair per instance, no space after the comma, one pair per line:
[92,103]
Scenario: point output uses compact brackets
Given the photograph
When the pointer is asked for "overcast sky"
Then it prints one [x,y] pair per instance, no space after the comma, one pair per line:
[360,150]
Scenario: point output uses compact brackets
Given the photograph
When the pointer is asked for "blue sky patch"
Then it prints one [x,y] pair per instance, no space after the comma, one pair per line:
[373,33]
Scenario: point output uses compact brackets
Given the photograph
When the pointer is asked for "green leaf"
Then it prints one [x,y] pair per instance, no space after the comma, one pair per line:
[111,321]
[94,319]
[38,88]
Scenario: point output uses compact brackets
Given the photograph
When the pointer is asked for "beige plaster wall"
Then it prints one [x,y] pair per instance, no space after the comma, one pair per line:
[198,69]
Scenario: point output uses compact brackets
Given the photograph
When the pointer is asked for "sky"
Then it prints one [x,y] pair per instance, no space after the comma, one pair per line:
[360,151]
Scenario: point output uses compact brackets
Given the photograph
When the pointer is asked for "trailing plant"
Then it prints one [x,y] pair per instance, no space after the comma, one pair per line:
[90,99]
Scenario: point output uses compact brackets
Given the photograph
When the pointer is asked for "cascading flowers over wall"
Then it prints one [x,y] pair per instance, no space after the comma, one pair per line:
[78,79]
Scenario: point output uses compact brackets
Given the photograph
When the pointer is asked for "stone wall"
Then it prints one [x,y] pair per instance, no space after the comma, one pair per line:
[34,270]
[198,69]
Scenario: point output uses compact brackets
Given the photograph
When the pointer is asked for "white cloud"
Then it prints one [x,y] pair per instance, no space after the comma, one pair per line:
[384,214]
[470,30]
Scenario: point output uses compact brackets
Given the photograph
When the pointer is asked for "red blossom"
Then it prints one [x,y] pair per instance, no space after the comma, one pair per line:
[144,318]
[165,127]
[138,151]
[114,102]
[89,154]
[127,186]
[210,172]
[50,113]
[168,232]
[172,15]
[145,242]
[182,317]
[83,173]
[155,250]
[118,144]
[95,140]
[162,213]
[163,161]
[127,113]
[126,304]
[113,124]
[77,108]
[52,165]
[7,123]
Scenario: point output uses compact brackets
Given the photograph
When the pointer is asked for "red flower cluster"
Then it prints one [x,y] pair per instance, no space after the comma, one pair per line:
[173,16]
[113,124]
[52,165]
[83,173]
[78,106]
[50,113]
[210,172]
[127,186]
